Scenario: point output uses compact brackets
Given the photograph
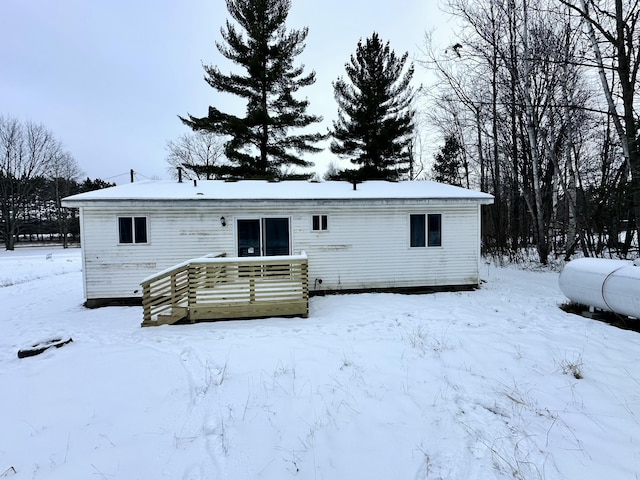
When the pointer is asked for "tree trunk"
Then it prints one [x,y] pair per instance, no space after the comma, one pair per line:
[628,133]
[542,244]
[513,79]
[627,85]
[500,230]
[570,183]
[483,178]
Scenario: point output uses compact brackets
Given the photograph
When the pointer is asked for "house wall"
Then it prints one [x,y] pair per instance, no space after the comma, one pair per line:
[114,270]
[369,248]
[364,246]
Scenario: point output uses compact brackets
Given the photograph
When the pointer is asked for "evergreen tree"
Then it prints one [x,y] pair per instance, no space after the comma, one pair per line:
[89,185]
[260,145]
[375,118]
[446,168]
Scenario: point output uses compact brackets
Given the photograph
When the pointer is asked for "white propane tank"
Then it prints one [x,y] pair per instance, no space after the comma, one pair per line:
[612,285]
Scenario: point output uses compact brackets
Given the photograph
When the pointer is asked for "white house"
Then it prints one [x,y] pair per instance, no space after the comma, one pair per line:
[375,235]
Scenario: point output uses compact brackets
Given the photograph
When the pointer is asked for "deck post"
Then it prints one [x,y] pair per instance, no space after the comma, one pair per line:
[173,288]
[192,283]
[146,307]
[252,284]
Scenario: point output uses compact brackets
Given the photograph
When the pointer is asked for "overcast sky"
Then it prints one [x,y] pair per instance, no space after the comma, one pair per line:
[110,77]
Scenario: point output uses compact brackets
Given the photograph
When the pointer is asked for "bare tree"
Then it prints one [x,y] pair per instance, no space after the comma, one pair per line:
[510,92]
[195,153]
[65,173]
[27,151]
[456,107]
[416,154]
[612,29]
[333,171]
[470,70]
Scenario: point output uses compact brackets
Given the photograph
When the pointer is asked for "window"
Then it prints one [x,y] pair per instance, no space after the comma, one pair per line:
[426,230]
[417,231]
[319,222]
[435,230]
[249,238]
[132,229]
[275,236]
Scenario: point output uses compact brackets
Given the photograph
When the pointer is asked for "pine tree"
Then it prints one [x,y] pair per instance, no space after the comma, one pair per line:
[375,118]
[446,168]
[260,145]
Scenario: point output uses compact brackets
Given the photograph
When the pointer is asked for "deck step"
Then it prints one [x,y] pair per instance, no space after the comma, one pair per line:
[177,314]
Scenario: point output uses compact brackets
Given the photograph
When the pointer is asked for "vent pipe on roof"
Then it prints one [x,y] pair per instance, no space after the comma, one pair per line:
[195,182]
[355,184]
[131,175]
[179,174]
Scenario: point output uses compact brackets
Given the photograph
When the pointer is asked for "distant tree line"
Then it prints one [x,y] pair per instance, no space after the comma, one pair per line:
[36,173]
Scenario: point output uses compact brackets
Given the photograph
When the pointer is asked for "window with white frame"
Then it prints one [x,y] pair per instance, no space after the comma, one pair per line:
[319,223]
[132,230]
[425,230]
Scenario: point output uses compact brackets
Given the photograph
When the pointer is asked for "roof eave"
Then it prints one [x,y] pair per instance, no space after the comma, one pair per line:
[129,202]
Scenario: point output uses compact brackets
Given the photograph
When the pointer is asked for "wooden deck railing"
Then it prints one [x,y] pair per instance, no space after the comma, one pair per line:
[225,288]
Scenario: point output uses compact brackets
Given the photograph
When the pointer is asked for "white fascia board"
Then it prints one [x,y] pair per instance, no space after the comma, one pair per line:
[240,203]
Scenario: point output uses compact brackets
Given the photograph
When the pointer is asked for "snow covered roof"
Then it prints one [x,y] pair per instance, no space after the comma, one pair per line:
[261,190]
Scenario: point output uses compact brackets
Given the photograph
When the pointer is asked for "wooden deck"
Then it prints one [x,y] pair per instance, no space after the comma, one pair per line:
[226,288]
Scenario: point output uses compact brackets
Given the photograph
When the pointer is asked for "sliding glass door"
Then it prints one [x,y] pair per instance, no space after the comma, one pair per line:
[266,236]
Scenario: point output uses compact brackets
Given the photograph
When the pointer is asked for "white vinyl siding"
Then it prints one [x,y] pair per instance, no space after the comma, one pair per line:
[370,248]
[114,270]
[367,246]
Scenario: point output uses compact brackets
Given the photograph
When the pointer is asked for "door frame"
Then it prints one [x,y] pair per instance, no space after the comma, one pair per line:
[261,219]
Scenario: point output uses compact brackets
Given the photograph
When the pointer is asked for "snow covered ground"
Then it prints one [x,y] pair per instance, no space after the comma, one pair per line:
[473,385]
